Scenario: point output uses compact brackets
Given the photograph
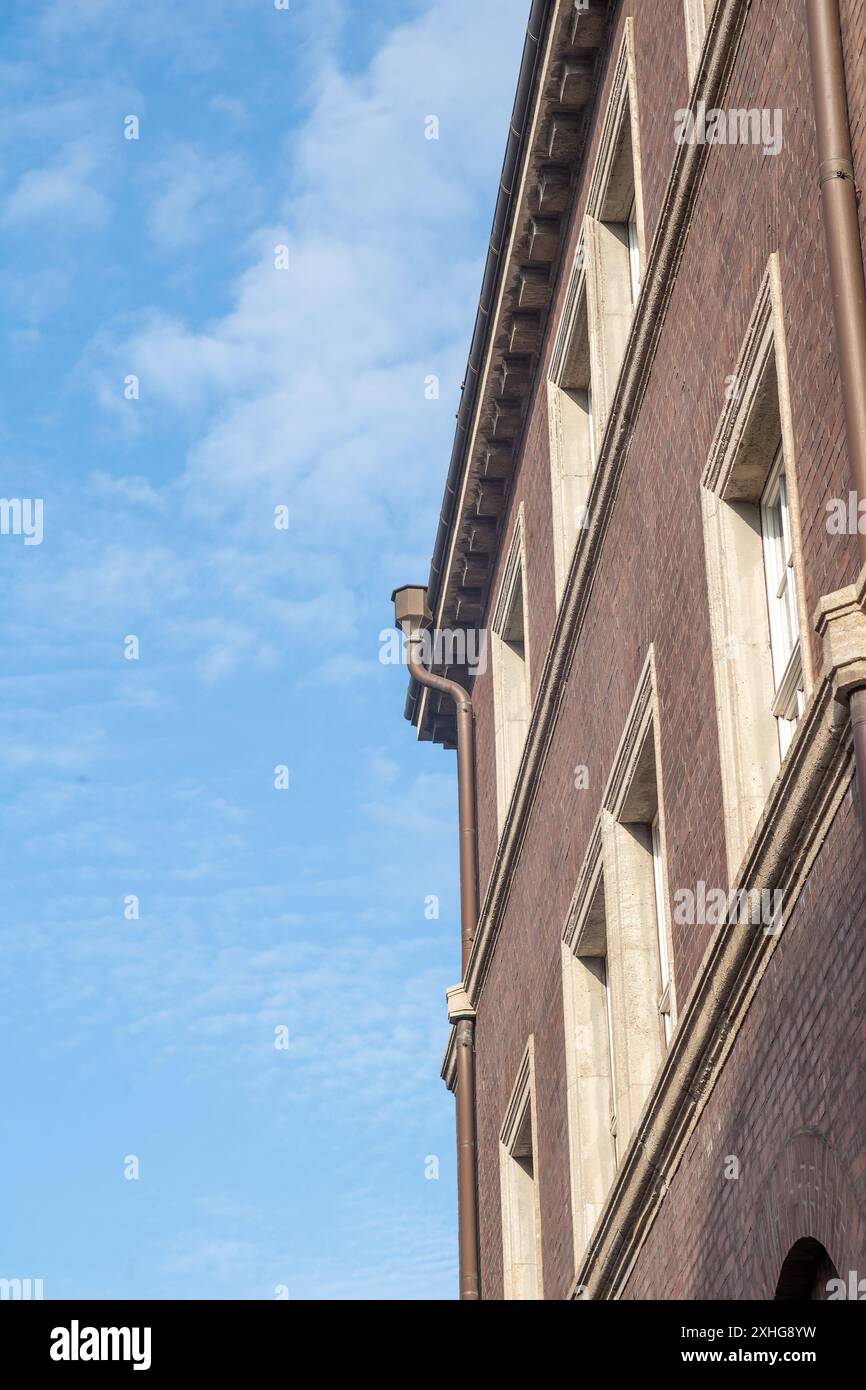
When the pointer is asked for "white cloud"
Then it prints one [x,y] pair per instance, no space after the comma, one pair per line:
[229,106]
[63,191]
[191,193]
[138,491]
[319,371]
[384,770]
[105,584]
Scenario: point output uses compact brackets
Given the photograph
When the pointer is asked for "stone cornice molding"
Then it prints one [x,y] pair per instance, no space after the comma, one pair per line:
[558,122]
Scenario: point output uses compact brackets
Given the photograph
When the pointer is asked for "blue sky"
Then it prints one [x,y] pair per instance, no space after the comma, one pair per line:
[258,388]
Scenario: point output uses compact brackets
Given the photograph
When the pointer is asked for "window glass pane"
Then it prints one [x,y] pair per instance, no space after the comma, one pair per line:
[778,566]
[661,924]
[633,254]
[611,1058]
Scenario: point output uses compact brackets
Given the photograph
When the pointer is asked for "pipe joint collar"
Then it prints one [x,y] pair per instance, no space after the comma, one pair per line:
[838,168]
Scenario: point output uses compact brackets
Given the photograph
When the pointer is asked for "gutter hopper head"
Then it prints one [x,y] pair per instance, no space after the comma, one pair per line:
[410,607]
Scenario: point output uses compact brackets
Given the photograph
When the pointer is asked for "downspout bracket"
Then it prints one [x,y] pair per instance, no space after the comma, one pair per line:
[459,1004]
[840,621]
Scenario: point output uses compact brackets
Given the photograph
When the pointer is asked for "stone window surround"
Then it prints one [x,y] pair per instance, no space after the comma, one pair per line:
[571,466]
[599,292]
[592,1146]
[513,582]
[620,866]
[521,1106]
[733,480]
[697,15]
[631,901]
[610,308]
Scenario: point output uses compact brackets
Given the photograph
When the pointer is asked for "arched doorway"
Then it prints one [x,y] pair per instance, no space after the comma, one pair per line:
[810,1206]
[805,1273]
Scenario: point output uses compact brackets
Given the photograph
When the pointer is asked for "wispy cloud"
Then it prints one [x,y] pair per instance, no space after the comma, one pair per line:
[193,193]
[63,191]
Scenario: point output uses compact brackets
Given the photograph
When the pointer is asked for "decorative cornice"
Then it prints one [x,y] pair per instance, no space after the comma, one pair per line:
[556,123]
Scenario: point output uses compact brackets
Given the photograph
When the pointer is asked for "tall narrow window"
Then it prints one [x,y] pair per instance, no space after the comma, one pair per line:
[511,675]
[590,1030]
[571,414]
[618,988]
[519,1190]
[633,253]
[614,249]
[603,289]
[788,699]
[753,555]
[611,1054]
[638,957]
[613,232]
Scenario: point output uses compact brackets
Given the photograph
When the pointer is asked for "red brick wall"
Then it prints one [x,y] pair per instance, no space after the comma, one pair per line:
[650,587]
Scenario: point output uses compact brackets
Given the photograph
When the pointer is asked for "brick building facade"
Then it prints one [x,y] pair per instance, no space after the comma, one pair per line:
[669,1098]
